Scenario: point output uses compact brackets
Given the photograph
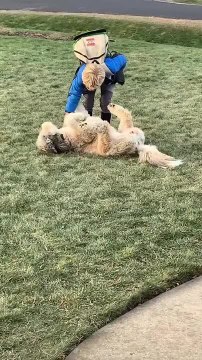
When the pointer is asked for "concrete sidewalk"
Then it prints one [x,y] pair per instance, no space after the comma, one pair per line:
[168,327]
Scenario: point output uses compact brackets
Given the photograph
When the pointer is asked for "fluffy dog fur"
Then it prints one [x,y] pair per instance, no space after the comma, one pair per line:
[85,134]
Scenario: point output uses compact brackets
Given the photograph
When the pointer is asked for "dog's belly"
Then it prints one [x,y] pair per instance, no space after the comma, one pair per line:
[91,148]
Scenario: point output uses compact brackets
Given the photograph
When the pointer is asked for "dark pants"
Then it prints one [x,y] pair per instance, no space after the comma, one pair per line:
[105,99]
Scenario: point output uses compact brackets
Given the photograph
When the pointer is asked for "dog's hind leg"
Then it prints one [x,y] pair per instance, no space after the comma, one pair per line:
[123,148]
[124,116]
[103,139]
[103,143]
[108,147]
[150,154]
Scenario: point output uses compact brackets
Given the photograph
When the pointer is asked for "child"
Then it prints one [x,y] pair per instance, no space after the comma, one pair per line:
[97,69]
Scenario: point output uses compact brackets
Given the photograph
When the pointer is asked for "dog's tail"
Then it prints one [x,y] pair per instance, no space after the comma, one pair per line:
[150,154]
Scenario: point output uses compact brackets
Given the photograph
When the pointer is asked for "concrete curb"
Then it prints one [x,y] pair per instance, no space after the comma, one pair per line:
[169,327]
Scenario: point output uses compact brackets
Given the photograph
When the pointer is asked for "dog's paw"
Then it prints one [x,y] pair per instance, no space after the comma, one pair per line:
[83,124]
[111,106]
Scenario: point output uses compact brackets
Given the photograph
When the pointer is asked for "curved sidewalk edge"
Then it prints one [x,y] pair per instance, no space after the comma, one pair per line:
[169,327]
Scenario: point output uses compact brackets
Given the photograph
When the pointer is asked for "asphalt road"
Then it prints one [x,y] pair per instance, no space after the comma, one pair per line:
[125,7]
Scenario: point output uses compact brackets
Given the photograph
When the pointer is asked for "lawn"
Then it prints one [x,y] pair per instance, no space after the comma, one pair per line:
[195,2]
[163,31]
[84,239]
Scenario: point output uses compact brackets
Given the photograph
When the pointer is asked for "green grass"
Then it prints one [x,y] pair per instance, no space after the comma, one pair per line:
[84,239]
[197,2]
[155,32]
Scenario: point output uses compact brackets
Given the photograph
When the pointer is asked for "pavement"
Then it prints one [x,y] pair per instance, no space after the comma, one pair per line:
[169,327]
[163,8]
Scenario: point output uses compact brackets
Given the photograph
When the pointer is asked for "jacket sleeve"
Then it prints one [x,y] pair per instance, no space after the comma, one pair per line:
[117,63]
[75,92]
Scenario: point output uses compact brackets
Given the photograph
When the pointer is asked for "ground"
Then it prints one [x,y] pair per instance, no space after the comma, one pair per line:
[84,238]
[199,2]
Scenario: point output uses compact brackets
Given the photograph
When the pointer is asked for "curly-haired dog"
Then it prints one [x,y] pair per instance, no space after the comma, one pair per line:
[85,134]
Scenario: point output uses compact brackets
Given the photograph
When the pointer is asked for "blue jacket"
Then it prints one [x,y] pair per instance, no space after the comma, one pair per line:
[115,64]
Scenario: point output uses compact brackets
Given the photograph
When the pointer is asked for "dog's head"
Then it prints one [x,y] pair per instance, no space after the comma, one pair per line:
[50,140]
[57,144]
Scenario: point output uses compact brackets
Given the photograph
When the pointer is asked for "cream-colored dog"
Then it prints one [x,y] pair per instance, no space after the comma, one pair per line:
[85,134]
